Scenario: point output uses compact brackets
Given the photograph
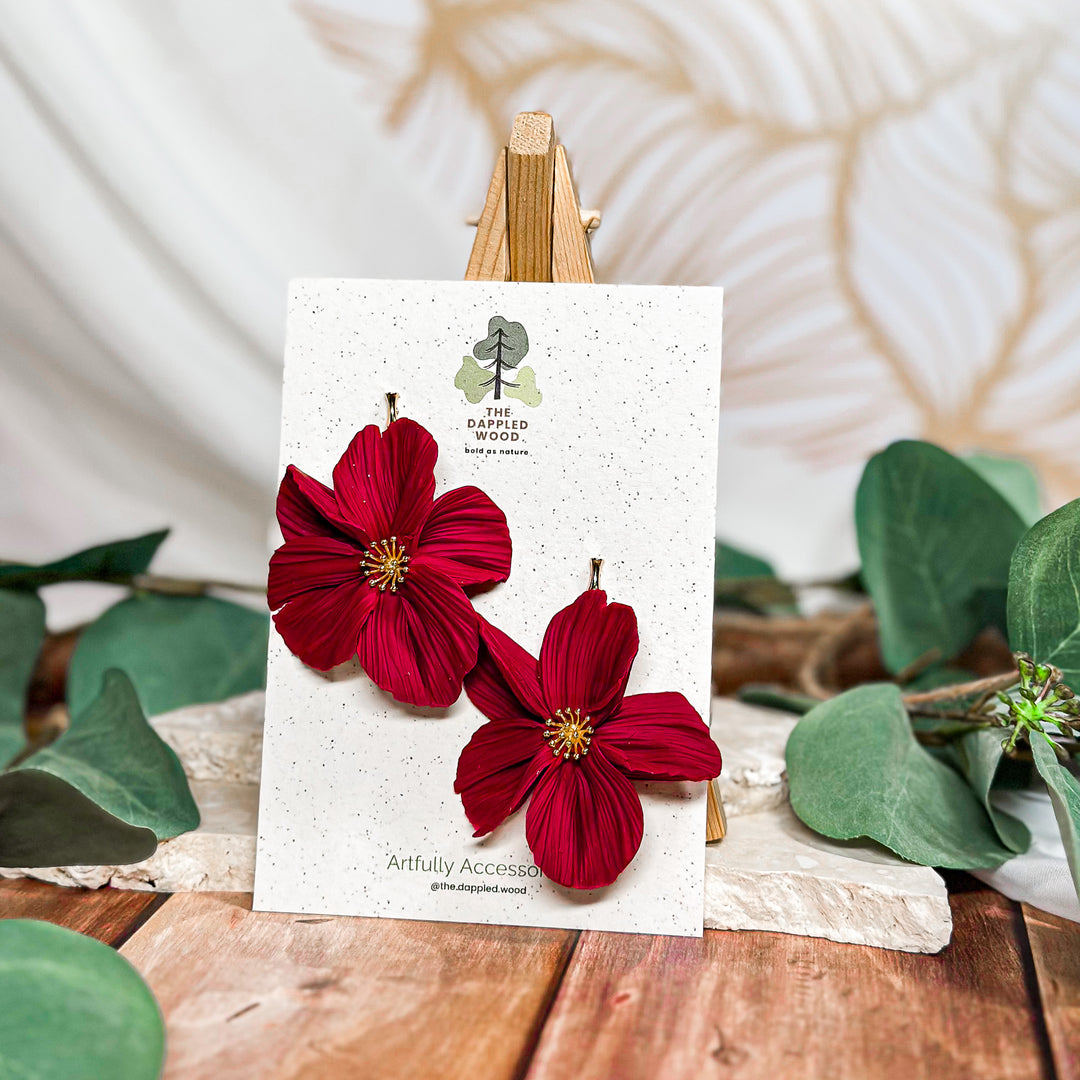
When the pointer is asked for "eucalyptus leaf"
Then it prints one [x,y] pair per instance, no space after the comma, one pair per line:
[177,650]
[734,563]
[855,770]
[104,792]
[1014,479]
[1065,796]
[978,754]
[44,821]
[71,1008]
[935,540]
[116,561]
[114,757]
[22,631]
[1044,592]
[772,698]
[745,581]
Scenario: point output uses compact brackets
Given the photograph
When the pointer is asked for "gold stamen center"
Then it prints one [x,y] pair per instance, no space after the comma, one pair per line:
[568,734]
[386,564]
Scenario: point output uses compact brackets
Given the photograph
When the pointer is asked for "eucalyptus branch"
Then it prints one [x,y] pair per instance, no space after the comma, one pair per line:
[156,583]
[984,687]
[964,716]
[797,626]
[175,586]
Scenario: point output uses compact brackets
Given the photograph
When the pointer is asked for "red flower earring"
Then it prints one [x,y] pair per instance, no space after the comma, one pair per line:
[561,729]
[375,567]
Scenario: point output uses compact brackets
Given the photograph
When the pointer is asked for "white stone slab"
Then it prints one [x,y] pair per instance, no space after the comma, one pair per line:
[773,873]
[752,742]
[220,741]
[770,873]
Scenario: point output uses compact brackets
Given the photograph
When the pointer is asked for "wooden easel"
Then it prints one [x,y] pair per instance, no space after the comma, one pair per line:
[532,229]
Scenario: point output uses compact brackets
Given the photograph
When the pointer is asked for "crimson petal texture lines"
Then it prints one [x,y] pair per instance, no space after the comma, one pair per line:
[376,566]
[561,729]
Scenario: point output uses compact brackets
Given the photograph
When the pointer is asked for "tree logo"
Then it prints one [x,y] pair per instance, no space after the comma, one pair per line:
[500,353]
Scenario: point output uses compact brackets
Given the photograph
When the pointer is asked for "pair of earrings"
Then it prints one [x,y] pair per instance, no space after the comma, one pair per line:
[377,567]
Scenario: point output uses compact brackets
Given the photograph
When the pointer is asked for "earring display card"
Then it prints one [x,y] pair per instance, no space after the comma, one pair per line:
[588,414]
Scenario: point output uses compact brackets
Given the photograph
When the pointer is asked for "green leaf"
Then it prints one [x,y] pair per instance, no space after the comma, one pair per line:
[1065,797]
[855,769]
[103,793]
[1014,479]
[177,650]
[114,757]
[22,631]
[525,388]
[772,698]
[71,1008]
[44,821]
[745,581]
[120,560]
[935,540]
[506,342]
[1044,592]
[734,563]
[978,754]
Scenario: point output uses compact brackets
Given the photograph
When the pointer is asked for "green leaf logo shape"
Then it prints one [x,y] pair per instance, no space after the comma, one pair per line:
[498,371]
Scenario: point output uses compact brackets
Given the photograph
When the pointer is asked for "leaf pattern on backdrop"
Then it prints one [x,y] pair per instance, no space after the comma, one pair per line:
[889,192]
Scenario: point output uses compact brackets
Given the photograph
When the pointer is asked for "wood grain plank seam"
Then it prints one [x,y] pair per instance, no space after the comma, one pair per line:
[1034,992]
[544,1012]
[140,920]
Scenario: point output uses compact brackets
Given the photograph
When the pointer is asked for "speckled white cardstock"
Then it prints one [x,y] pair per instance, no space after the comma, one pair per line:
[618,460]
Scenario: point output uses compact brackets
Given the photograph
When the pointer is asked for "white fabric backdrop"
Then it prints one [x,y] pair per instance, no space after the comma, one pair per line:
[886,189]
[166,169]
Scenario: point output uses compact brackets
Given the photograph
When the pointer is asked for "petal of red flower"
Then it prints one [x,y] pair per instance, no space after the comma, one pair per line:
[584,822]
[385,481]
[322,626]
[497,768]
[587,652]
[307,508]
[506,680]
[420,642]
[659,737]
[312,562]
[466,532]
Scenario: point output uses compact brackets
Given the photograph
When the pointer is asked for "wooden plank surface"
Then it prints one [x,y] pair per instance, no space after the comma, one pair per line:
[759,1006]
[109,915]
[530,188]
[253,994]
[288,996]
[1055,953]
